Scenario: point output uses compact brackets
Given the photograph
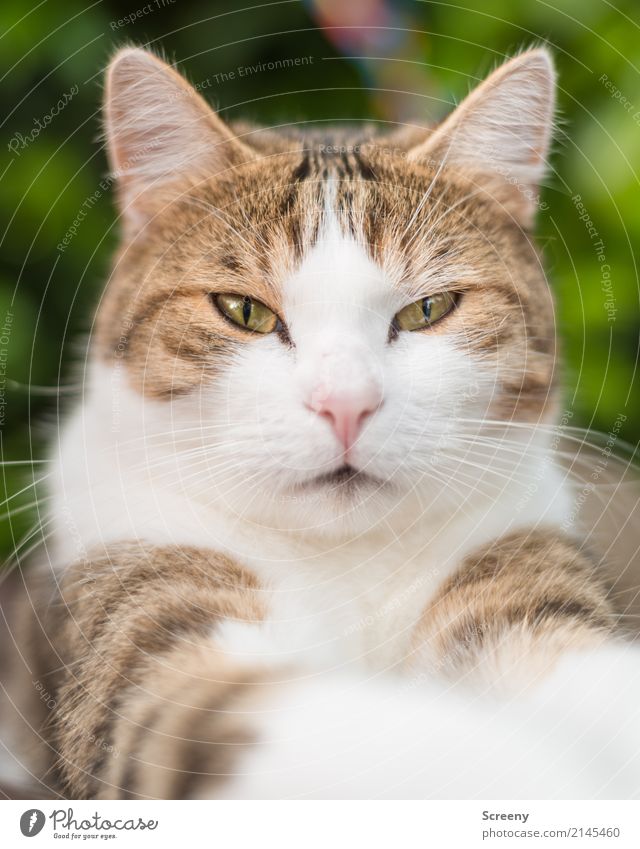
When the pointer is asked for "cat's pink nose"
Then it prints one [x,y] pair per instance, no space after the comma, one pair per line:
[346,410]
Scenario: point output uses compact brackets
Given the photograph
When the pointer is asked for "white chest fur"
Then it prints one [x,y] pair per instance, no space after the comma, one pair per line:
[334,601]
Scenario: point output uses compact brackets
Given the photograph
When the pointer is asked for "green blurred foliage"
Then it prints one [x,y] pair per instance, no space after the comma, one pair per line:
[56,47]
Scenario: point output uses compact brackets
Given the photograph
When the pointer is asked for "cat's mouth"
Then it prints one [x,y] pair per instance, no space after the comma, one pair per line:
[345,477]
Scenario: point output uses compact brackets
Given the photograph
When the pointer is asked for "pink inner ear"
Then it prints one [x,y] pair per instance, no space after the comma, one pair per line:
[502,129]
[158,129]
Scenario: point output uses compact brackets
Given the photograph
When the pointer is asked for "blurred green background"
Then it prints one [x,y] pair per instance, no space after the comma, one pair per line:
[378,60]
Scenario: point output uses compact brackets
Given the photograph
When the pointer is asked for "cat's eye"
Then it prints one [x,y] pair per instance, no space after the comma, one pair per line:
[246,312]
[425,312]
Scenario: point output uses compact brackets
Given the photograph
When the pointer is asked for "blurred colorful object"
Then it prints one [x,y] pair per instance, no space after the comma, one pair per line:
[385,43]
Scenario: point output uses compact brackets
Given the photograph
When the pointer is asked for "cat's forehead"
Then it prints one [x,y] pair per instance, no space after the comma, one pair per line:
[277,213]
[370,191]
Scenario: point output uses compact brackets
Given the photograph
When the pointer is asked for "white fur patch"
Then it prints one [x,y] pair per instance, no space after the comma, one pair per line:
[577,736]
[248,644]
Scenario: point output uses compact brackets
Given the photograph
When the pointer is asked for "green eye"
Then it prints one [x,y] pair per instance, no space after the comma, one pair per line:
[425,312]
[246,312]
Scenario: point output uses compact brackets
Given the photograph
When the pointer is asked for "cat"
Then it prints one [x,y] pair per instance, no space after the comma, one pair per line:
[295,548]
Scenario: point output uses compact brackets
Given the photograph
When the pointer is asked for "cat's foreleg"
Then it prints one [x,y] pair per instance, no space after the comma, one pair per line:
[147,704]
[512,609]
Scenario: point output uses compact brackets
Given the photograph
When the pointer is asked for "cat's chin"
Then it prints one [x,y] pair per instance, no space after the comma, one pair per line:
[339,504]
[345,481]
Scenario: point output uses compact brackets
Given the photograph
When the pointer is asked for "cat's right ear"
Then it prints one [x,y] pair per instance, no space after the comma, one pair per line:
[158,129]
[500,134]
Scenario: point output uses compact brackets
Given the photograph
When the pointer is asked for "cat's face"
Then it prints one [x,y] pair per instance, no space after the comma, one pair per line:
[318,327]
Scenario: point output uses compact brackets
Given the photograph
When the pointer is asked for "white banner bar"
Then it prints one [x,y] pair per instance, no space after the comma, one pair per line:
[322,825]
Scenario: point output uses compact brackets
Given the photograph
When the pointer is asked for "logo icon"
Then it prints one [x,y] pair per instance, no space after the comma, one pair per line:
[32,822]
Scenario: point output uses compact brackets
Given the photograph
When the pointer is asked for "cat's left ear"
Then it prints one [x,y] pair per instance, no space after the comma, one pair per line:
[499,136]
[159,131]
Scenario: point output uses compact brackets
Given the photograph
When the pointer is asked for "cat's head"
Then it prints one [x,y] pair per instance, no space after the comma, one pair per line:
[317,324]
